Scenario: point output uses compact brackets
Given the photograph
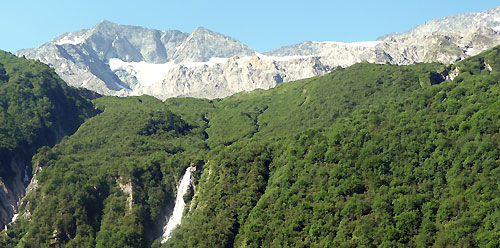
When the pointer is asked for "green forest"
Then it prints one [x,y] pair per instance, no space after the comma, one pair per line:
[36,109]
[365,156]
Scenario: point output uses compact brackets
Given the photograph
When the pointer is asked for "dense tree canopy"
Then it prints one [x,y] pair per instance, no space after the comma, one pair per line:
[370,155]
[36,108]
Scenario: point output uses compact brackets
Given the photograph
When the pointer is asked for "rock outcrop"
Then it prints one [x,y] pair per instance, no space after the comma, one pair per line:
[128,190]
[12,189]
[114,59]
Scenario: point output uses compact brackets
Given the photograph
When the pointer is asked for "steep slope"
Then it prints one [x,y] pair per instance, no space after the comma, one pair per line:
[123,60]
[488,18]
[36,109]
[202,45]
[445,46]
[443,40]
[111,183]
[373,155]
[370,155]
[85,58]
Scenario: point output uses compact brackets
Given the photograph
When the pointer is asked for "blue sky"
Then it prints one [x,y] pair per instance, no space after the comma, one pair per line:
[261,24]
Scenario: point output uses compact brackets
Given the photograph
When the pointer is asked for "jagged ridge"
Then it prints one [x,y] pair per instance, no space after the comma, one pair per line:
[126,60]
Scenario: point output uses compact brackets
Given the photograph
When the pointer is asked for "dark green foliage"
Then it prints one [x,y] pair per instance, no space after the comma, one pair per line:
[389,161]
[3,74]
[234,179]
[36,109]
[370,155]
[136,146]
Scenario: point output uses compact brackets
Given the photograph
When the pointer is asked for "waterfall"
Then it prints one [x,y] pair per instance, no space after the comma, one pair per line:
[14,218]
[26,177]
[175,218]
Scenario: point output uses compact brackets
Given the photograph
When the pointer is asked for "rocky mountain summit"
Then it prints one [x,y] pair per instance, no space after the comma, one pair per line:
[86,58]
[114,59]
[488,18]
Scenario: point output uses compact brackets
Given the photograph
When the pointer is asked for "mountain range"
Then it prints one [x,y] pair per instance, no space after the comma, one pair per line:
[120,60]
[392,153]
[36,109]
[370,155]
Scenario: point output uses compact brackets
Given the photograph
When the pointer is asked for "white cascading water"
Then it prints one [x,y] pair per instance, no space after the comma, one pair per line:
[176,217]
[14,218]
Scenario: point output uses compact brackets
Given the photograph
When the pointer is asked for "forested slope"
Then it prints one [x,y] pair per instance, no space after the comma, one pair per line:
[36,109]
[370,155]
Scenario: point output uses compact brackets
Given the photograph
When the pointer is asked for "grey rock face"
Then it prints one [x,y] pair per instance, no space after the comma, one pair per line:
[11,192]
[234,75]
[113,59]
[489,18]
[445,47]
[203,44]
[82,58]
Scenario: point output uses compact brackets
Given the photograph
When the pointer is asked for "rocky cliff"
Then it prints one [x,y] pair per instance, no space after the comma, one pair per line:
[12,188]
[36,109]
[114,59]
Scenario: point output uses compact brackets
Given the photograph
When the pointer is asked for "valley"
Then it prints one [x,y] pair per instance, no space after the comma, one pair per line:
[196,140]
[370,154]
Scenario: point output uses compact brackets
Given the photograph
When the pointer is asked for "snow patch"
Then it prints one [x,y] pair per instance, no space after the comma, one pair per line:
[358,43]
[497,28]
[181,46]
[280,58]
[146,73]
[470,51]
[149,74]
[86,82]
[211,62]
[73,41]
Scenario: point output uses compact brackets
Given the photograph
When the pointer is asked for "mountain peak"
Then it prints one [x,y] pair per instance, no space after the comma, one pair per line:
[203,31]
[203,44]
[489,18]
[116,59]
[105,24]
